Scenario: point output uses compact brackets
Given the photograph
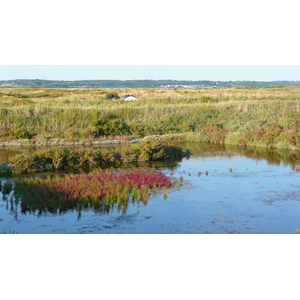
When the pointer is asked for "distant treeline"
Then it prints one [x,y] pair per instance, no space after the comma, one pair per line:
[140,83]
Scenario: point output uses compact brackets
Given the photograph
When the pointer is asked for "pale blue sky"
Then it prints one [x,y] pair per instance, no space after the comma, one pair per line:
[176,72]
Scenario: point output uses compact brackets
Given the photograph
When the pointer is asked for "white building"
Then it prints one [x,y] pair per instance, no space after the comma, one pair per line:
[129,98]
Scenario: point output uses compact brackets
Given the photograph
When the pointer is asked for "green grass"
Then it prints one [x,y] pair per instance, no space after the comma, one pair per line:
[37,114]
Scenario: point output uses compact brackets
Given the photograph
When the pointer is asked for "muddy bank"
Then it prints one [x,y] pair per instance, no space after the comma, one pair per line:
[220,138]
[66,142]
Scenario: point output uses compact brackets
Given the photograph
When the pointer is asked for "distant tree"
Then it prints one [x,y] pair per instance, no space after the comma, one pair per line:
[141,83]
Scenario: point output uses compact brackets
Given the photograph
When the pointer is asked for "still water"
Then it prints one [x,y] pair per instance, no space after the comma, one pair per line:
[225,190]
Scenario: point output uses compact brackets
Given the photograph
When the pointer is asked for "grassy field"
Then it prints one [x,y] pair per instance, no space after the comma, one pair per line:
[268,117]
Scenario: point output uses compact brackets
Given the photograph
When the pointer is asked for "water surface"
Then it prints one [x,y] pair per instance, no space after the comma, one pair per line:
[244,191]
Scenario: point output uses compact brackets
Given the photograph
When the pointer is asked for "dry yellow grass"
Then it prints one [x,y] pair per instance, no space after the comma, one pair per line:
[90,97]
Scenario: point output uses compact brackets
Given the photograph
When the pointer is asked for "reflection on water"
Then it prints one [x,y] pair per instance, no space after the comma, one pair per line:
[252,190]
[272,156]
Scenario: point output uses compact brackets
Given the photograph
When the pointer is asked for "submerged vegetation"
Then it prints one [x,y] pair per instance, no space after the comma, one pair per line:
[99,190]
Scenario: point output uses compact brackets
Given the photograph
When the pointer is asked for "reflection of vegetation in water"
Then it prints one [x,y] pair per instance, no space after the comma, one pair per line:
[99,190]
[6,153]
[272,156]
[5,188]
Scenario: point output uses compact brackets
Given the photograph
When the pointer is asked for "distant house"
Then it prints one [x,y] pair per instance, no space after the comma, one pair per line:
[129,98]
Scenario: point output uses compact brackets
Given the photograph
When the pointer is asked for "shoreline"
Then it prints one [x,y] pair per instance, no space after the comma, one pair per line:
[67,142]
[227,139]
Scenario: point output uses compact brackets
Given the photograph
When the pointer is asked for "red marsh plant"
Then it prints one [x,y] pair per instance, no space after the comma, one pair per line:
[99,190]
[7,139]
[214,134]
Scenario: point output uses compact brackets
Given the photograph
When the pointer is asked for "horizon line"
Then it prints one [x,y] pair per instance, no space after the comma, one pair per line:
[148,80]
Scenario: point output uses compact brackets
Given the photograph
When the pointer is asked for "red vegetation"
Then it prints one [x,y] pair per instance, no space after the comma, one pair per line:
[100,189]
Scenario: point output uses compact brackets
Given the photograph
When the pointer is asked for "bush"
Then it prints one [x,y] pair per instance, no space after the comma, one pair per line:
[60,158]
[105,127]
[20,134]
[23,163]
[211,133]
[110,96]
[235,138]
[282,145]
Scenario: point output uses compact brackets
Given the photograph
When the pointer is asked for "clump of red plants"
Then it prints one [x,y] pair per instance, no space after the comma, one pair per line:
[100,190]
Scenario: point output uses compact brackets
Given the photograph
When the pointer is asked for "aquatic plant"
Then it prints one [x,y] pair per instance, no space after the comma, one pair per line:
[101,190]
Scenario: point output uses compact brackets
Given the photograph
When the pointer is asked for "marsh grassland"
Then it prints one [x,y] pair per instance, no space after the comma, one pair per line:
[267,117]
[82,160]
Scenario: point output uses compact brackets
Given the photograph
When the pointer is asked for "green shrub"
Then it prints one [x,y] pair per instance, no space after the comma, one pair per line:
[23,163]
[211,133]
[282,145]
[235,138]
[21,134]
[110,96]
[104,127]
[4,171]
[60,158]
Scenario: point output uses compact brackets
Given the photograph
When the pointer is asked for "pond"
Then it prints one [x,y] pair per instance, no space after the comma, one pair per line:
[224,190]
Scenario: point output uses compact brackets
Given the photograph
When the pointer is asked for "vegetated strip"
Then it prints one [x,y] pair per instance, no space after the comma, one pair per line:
[61,158]
[99,190]
[266,136]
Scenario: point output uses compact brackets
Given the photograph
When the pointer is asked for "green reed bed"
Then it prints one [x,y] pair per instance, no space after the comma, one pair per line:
[99,190]
[143,118]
